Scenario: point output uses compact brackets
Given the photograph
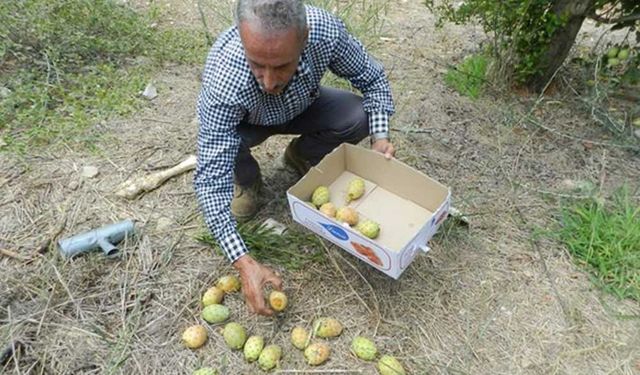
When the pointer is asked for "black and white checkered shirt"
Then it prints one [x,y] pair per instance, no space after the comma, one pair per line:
[230,94]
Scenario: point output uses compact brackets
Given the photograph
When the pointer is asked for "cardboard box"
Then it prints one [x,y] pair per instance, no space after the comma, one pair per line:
[408,205]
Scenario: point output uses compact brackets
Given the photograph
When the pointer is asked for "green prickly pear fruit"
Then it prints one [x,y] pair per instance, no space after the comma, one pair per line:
[327,327]
[355,189]
[364,348]
[213,295]
[369,228]
[206,371]
[317,353]
[215,313]
[234,335]
[613,61]
[623,54]
[328,209]
[320,196]
[253,347]
[347,215]
[269,357]
[388,365]
[299,337]
[613,52]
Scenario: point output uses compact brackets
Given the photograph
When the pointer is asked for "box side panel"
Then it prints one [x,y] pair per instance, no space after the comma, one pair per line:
[331,166]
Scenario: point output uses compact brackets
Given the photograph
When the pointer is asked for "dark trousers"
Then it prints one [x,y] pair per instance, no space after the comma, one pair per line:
[335,117]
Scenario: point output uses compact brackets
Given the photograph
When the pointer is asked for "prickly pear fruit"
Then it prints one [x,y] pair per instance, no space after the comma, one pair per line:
[299,337]
[320,196]
[212,296]
[269,357]
[206,371]
[347,215]
[328,209]
[215,313]
[364,348]
[388,365]
[317,353]
[229,283]
[613,52]
[278,300]
[253,347]
[194,336]
[234,335]
[327,327]
[355,189]
[369,228]
[623,54]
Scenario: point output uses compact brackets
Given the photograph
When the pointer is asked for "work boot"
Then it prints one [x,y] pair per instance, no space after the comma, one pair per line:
[293,159]
[244,204]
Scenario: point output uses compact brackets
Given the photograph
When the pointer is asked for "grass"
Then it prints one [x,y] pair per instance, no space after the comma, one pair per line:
[292,250]
[605,239]
[469,77]
[67,64]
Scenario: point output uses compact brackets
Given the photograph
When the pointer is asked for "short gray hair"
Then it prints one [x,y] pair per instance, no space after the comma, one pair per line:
[272,15]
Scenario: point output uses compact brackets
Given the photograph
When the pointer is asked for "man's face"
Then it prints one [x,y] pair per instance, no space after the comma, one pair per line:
[273,57]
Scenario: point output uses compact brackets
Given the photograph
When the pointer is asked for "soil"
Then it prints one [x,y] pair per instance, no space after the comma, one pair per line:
[486,300]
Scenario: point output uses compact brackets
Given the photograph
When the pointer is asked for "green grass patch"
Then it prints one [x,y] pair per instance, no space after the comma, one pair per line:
[468,77]
[67,64]
[605,239]
[292,250]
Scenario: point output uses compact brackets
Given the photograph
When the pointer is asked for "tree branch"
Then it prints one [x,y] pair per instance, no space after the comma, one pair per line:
[630,17]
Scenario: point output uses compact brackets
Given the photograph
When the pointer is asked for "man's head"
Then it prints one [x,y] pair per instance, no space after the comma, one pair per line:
[273,34]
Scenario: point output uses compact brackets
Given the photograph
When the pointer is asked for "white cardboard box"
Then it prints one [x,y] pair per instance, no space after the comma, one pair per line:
[408,205]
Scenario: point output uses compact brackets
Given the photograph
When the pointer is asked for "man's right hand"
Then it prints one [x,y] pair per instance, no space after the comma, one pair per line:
[254,277]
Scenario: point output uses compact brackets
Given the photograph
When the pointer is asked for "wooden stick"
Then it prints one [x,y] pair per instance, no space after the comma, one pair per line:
[133,187]
[13,254]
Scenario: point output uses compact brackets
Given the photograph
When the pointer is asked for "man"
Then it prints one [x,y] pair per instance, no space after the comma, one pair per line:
[262,77]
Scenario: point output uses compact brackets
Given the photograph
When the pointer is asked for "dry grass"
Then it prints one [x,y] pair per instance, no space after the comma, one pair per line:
[485,301]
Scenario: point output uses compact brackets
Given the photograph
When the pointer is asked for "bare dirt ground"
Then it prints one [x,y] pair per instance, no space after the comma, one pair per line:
[484,301]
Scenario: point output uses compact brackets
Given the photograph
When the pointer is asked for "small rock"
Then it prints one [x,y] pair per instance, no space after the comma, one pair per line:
[150,92]
[163,224]
[73,185]
[275,226]
[637,133]
[89,172]
[4,92]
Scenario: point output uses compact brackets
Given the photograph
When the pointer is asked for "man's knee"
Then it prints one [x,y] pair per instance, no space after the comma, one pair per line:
[354,126]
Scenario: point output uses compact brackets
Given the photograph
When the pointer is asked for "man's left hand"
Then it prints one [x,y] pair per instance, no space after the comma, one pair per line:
[385,147]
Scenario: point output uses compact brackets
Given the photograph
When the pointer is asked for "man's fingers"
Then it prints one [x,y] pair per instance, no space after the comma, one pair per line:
[274,280]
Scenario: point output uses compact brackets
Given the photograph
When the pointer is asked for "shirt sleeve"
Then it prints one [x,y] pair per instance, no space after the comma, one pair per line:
[353,63]
[218,144]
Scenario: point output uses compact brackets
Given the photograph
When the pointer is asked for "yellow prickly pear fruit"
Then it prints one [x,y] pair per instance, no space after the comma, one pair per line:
[278,300]
[299,337]
[229,283]
[253,347]
[213,295]
[317,353]
[194,336]
[320,196]
[269,357]
[388,365]
[355,189]
[369,228]
[364,348]
[206,371]
[327,327]
[347,215]
[215,313]
[328,209]
[234,335]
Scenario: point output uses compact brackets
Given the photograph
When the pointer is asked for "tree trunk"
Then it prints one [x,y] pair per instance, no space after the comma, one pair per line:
[562,40]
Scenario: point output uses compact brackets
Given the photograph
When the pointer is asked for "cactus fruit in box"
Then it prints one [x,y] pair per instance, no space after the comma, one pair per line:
[328,209]
[213,295]
[327,327]
[278,301]
[369,228]
[206,371]
[229,283]
[269,357]
[355,189]
[299,337]
[317,353]
[347,215]
[253,347]
[194,336]
[388,365]
[234,335]
[320,196]
[215,313]
[364,348]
